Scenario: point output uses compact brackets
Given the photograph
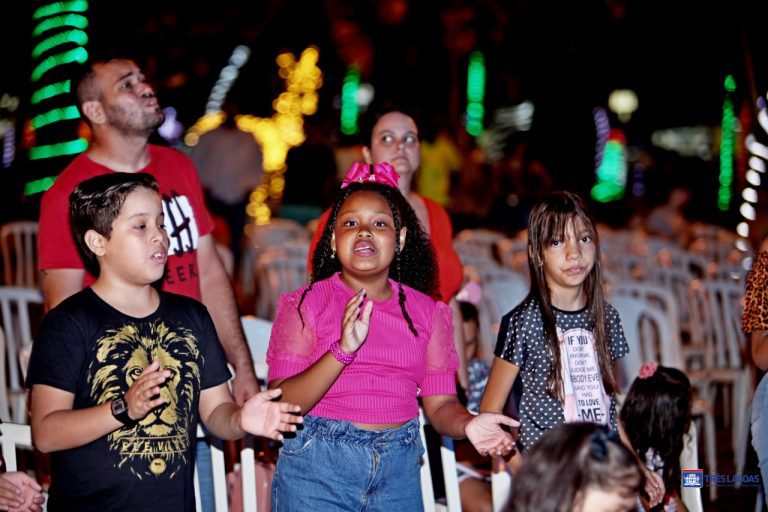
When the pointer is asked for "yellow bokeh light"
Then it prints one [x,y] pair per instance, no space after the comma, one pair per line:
[276,134]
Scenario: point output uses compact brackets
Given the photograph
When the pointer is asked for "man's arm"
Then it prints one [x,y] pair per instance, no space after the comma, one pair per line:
[219,298]
[60,283]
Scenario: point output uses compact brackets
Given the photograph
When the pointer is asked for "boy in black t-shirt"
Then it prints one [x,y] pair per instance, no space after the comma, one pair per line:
[121,373]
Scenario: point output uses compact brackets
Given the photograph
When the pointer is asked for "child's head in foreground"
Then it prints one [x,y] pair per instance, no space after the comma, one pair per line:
[656,415]
[579,467]
[121,211]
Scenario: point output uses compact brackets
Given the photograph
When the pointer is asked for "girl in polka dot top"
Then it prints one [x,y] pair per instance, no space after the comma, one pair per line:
[564,337]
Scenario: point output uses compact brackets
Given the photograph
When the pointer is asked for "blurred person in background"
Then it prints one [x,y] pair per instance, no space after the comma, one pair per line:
[229,162]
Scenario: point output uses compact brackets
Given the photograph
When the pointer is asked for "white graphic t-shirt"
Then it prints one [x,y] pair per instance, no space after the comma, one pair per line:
[585,397]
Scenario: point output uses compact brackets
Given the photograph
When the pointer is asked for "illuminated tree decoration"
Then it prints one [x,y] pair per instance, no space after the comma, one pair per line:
[60,39]
[475,94]
[276,134]
[728,128]
[612,170]
[350,111]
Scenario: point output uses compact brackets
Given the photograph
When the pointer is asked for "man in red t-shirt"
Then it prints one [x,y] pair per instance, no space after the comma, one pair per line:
[122,111]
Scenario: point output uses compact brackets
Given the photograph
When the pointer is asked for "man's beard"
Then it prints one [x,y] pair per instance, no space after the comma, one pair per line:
[138,125]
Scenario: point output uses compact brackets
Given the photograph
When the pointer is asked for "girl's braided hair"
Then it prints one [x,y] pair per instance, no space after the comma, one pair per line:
[414,264]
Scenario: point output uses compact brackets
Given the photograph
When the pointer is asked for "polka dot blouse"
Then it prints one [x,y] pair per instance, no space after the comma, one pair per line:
[523,345]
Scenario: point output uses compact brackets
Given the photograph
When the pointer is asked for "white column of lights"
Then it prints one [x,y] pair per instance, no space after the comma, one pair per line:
[758,156]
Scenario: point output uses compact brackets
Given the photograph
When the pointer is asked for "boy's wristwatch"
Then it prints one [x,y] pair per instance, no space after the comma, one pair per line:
[120,411]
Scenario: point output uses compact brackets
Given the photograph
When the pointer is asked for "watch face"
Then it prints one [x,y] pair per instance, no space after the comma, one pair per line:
[118,406]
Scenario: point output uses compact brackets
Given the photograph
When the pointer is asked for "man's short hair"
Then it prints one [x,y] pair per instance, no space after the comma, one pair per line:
[83,87]
[95,204]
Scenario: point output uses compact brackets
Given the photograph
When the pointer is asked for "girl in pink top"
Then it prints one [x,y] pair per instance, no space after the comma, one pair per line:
[357,348]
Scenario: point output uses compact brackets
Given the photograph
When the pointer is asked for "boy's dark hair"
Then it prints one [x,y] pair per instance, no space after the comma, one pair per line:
[547,223]
[656,415]
[569,459]
[415,265]
[95,204]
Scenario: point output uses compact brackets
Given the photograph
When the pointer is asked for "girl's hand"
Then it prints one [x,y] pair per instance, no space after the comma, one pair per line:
[20,492]
[654,486]
[144,393]
[261,416]
[486,435]
[354,325]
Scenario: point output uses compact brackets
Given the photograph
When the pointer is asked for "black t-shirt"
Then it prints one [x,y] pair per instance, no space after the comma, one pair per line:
[88,348]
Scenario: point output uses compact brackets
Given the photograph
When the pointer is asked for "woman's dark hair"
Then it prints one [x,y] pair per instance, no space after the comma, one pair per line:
[566,461]
[414,265]
[656,415]
[373,116]
[548,222]
[95,204]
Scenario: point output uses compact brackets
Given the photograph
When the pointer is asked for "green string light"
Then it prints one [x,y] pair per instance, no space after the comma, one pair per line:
[75,36]
[475,94]
[38,186]
[59,7]
[611,174]
[78,55]
[49,91]
[728,127]
[54,116]
[66,20]
[71,147]
[349,108]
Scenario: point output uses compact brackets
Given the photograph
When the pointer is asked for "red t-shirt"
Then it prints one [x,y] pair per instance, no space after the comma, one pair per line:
[186,218]
[441,235]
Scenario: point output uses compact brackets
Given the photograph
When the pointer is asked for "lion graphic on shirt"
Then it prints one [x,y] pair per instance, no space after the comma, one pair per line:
[159,442]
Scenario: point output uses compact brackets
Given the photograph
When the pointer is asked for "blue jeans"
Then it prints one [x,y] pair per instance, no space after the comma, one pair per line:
[204,476]
[760,430]
[333,465]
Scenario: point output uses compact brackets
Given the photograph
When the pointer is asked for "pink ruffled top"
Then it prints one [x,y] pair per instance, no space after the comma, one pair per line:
[392,368]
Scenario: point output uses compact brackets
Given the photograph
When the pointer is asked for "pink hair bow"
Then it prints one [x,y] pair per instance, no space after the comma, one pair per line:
[647,370]
[382,173]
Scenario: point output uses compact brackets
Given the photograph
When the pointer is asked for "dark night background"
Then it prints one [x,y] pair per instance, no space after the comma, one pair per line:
[564,56]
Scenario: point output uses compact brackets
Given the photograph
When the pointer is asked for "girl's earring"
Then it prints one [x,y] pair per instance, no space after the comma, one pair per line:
[333,254]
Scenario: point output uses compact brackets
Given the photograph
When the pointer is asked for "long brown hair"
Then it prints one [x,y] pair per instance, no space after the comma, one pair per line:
[548,222]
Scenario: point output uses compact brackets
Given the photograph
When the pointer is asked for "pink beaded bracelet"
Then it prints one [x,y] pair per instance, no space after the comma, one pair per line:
[341,356]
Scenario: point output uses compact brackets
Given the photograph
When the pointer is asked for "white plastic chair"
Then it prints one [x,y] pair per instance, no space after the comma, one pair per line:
[5,408]
[18,240]
[259,239]
[689,459]
[716,311]
[14,435]
[500,295]
[450,475]
[501,484]
[279,270]
[15,303]
[658,297]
